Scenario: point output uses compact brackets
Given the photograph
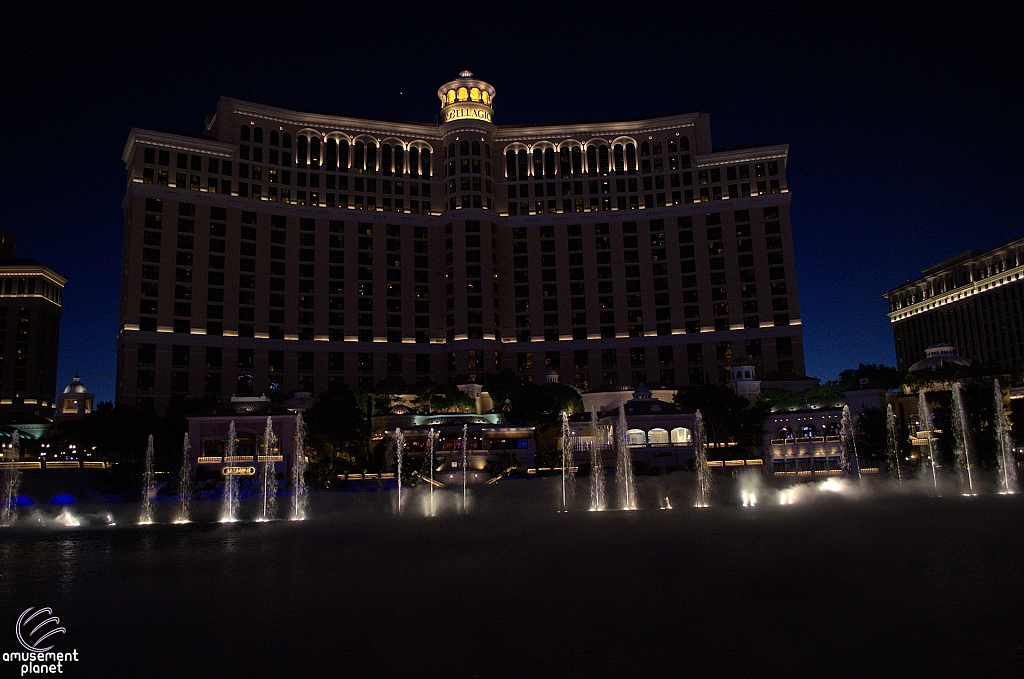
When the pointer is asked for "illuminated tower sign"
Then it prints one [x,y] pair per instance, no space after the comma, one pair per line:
[466,99]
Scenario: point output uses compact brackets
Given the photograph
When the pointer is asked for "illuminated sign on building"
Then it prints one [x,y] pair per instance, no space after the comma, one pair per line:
[464,111]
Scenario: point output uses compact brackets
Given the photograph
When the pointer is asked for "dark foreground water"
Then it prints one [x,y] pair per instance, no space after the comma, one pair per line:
[878,585]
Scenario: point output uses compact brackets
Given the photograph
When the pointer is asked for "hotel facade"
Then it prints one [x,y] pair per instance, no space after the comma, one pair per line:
[973,302]
[285,250]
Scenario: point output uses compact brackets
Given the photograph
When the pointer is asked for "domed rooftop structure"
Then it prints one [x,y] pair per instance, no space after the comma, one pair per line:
[76,387]
[301,402]
[938,355]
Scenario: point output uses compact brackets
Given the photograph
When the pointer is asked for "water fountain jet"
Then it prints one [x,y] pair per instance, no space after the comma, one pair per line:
[892,446]
[269,473]
[230,499]
[1005,454]
[925,420]
[11,481]
[596,469]
[185,483]
[848,440]
[961,437]
[624,462]
[703,471]
[146,517]
[300,491]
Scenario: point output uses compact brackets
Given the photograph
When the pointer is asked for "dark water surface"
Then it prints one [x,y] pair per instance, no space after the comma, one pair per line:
[877,586]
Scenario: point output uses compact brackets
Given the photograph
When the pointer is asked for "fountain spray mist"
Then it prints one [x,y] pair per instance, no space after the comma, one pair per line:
[146,516]
[465,463]
[596,470]
[925,419]
[961,437]
[624,462]
[848,439]
[568,461]
[1004,445]
[230,498]
[703,471]
[892,445]
[185,482]
[430,456]
[269,472]
[399,441]
[300,491]
[11,480]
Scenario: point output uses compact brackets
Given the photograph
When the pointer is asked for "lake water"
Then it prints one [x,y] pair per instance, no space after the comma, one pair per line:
[871,585]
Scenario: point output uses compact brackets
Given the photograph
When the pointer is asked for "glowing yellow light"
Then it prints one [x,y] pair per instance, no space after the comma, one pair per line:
[462,94]
[474,94]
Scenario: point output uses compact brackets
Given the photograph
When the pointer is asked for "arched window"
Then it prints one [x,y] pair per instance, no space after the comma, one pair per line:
[577,161]
[684,143]
[425,162]
[286,140]
[243,133]
[592,160]
[301,152]
[371,158]
[681,436]
[620,164]
[602,159]
[636,437]
[630,158]
[257,135]
[399,161]
[474,94]
[510,164]
[451,150]
[524,164]
[538,163]
[657,437]
[462,94]
[784,433]
[331,154]
[274,138]
[343,154]
[487,151]
[830,429]
[476,148]
[385,160]
[807,430]
[314,152]
[358,156]
[549,163]
[645,149]
[463,148]
[414,162]
[563,162]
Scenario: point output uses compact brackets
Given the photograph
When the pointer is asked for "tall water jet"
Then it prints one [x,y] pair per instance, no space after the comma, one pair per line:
[596,470]
[1004,445]
[185,482]
[11,480]
[961,438]
[430,457]
[399,441]
[892,445]
[703,471]
[230,499]
[848,445]
[925,425]
[465,464]
[624,462]
[300,491]
[146,516]
[269,472]
[568,462]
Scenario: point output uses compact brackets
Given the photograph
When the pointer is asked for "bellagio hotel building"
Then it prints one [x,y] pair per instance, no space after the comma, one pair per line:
[284,250]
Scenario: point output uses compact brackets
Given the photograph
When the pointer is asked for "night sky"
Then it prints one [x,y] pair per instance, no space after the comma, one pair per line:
[904,130]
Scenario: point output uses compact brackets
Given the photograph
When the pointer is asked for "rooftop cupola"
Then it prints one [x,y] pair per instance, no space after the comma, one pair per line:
[466,98]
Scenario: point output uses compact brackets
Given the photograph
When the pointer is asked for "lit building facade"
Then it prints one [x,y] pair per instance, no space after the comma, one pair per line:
[286,250]
[974,302]
[30,310]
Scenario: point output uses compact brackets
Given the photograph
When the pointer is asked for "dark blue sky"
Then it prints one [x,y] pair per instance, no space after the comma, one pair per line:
[904,126]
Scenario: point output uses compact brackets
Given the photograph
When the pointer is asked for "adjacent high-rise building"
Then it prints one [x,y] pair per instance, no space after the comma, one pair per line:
[30,309]
[287,250]
[973,301]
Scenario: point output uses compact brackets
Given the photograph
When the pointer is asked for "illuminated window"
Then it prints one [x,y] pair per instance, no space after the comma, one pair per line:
[451,96]
[681,435]
[636,437]
[474,94]
[463,94]
[486,97]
